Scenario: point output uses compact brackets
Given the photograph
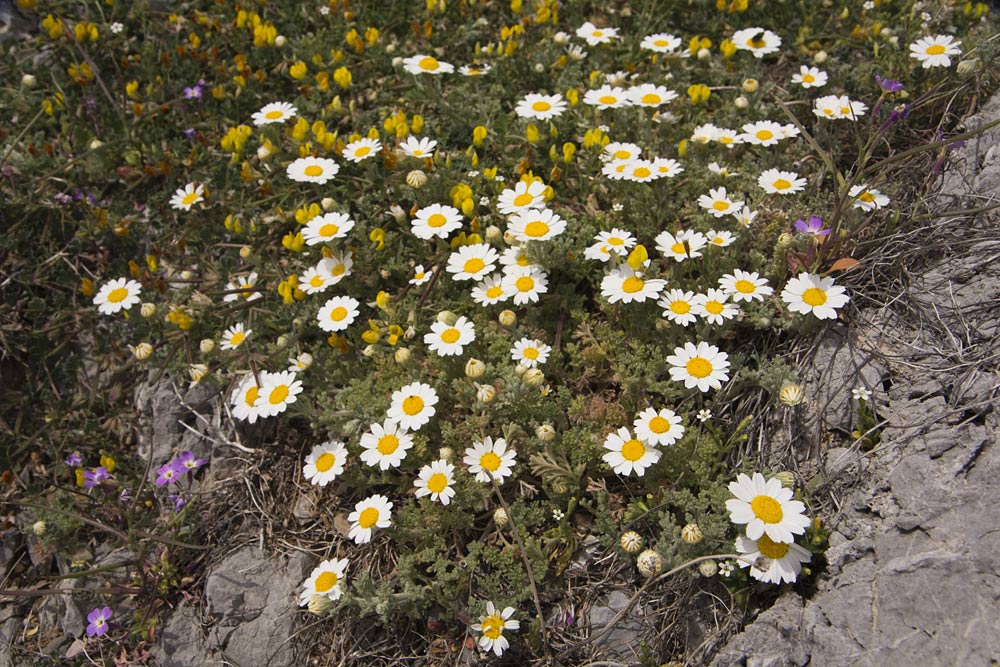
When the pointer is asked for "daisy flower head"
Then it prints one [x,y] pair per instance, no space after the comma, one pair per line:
[327,227]
[472,262]
[312,170]
[640,171]
[717,203]
[617,169]
[594,35]
[246,400]
[618,151]
[516,256]
[275,112]
[810,77]
[490,291]
[530,352]
[810,293]
[540,107]
[479,69]
[117,295]
[685,244]
[745,286]
[413,405]
[703,134]
[184,198]
[625,285]
[701,365]
[421,275]
[338,313]
[868,199]
[776,181]
[627,455]
[525,284]
[362,149]
[278,391]
[837,107]
[300,362]
[723,171]
[337,266]
[616,242]
[490,459]
[327,580]
[661,42]
[757,41]
[763,133]
[745,216]
[525,195]
[535,225]
[372,512]
[450,339]
[727,137]
[435,480]
[243,287]
[421,64]
[678,307]
[720,238]
[607,97]
[658,427]
[385,445]
[767,508]
[651,95]
[234,337]
[771,562]
[492,626]
[934,50]
[325,462]
[437,220]
[418,148]
[714,307]
[667,167]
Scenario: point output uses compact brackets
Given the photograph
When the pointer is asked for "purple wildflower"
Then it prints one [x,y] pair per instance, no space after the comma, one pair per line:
[186,462]
[92,478]
[166,474]
[192,92]
[190,132]
[178,502]
[812,228]
[73,460]
[125,497]
[98,621]
[888,85]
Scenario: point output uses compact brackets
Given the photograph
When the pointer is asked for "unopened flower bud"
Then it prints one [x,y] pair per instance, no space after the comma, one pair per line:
[28,81]
[282,341]
[280,41]
[508,318]
[142,351]
[791,394]
[245,252]
[416,179]
[328,204]
[319,604]
[967,67]
[402,355]
[493,234]
[750,85]
[741,102]
[447,317]
[534,377]
[187,275]
[691,533]
[509,238]
[708,568]
[397,212]
[631,541]
[446,453]
[649,563]
[785,240]
[820,57]
[500,517]
[147,309]
[704,54]
[520,369]
[474,368]
[38,528]
[561,38]
[95,143]
[485,393]
[786,478]
[263,152]
[206,345]
[545,432]
[369,351]
[197,372]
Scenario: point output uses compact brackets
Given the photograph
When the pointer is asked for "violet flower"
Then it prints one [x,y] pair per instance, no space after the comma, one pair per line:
[888,85]
[186,462]
[812,228]
[166,474]
[73,460]
[178,502]
[92,478]
[98,621]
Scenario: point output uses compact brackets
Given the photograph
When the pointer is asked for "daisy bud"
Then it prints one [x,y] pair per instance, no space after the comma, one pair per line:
[328,204]
[631,541]
[967,67]
[206,345]
[474,368]
[750,85]
[263,152]
[708,568]
[791,394]
[446,453]
[142,351]
[534,377]
[649,563]
[245,252]
[416,179]
[147,310]
[493,234]
[38,528]
[704,54]
[784,241]
[500,517]
[28,81]
[318,604]
[520,369]
[485,393]
[397,212]
[187,275]
[539,67]
[402,355]
[561,38]
[741,103]
[507,318]
[820,57]
[95,144]
[197,372]
[390,48]
[397,61]
[509,239]
[545,432]
[447,317]
[280,41]
[282,341]
[786,478]
[369,351]
[691,533]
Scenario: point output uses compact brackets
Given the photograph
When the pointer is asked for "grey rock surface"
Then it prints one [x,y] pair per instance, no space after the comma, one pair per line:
[623,641]
[182,641]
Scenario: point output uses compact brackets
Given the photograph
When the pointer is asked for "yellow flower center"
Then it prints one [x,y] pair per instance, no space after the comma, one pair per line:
[436,220]
[598,33]
[536,228]
[368,517]
[607,99]
[713,307]
[428,63]
[756,43]
[767,509]
[338,270]
[699,367]
[450,335]
[251,396]
[661,43]
[745,287]
[530,353]
[650,98]
[525,284]
[316,281]
[523,199]
[492,627]
[781,184]
[770,548]
[814,296]
[489,461]
[680,307]
[329,229]
[808,78]
[313,170]
[720,205]
[338,313]
[678,249]
[325,582]
[387,444]
[237,338]
[419,275]
[764,135]
[325,461]
[362,151]
[622,155]
[659,425]
[614,240]
[274,115]
[935,50]
[474,265]
[190,198]
[541,106]
[633,450]
[278,394]
[437,483]
[632,284]
[494,292]
[522,260]
[642,172]
[866,197]
[412,405]
[117,295]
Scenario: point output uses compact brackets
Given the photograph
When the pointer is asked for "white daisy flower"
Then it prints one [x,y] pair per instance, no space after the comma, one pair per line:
[327,227]
[421,275]
[525,195]
[810,293]
[934,50]
[246,400]
[678,307]
[525,284]
[436,220]
[325,462]
[362,149]
[490,291]
[745,286]
[449,340]
[757,41]
[810,77]
[701,365]
[619,151]
[868,199]
[421,64]
[327,580]
[536,225]
[661,42]
[492,626]
[685,244]
[727,137]
[372,512]
[246,288]
[714,307]
[717,203]
[767,508]
[658,427]
[338,313]
[385,445]
[651,95]
[776,181]
[490,458]
[725,172]
[117,295]
[312,170]
[836,107]
[763,133]
[275,112]
[300,363]
[667,167]
[771,562]
[628,455]
[480,69]
[745,216]
[337,266]
[234,337]
[184,198]
[540,107]
[594,35]
[530,352]
[606,97]
[472,262]
[419,148]
[720,238]
[514,257]
[435,480]
[616,242]
[625,285]
[277,392]
[703,134]
[641,171]
[617,169]
[413,405]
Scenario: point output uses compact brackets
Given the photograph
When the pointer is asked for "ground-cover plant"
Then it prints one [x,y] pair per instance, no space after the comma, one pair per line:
[516,280]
